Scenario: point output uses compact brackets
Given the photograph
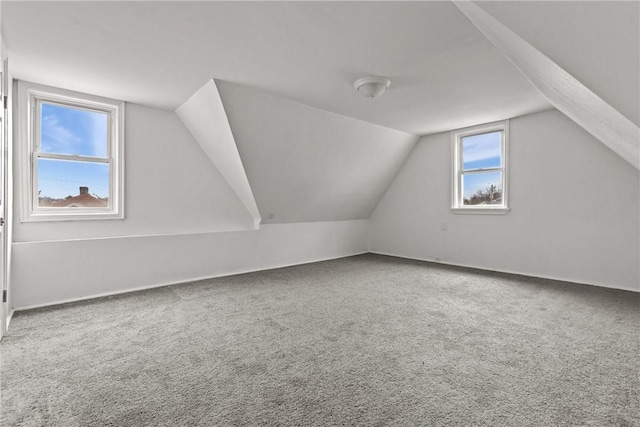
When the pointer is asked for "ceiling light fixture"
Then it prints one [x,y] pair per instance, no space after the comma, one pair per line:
[372,86]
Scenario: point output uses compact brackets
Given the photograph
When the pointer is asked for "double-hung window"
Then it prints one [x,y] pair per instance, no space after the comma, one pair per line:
[71,155]
[480,178]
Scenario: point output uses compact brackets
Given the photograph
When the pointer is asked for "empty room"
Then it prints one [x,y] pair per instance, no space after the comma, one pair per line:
[301,213]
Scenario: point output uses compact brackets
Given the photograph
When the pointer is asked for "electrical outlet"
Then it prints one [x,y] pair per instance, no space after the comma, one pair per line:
[443,226]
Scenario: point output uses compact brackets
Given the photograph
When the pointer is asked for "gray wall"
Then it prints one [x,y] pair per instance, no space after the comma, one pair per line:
[306,164]
[574,209]
[183,222]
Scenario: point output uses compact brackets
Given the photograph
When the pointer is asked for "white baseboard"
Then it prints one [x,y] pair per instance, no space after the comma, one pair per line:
[160,285]
[505,271]
[253,270]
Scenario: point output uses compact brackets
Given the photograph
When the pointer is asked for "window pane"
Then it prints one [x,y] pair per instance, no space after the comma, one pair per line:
[482,151]
[67,130]
[65,183]
[484,188]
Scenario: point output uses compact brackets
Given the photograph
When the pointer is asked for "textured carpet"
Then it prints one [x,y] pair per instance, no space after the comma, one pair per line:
[366,340]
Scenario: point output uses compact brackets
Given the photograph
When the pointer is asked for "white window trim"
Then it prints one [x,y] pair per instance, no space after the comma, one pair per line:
[456,166]
[28,95]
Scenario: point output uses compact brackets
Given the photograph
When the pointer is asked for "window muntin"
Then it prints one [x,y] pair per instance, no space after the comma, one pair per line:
[480,173]
[73,159]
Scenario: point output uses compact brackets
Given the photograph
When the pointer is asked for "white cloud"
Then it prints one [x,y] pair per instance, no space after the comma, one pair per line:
[57,138]
[83,133]
[480,147]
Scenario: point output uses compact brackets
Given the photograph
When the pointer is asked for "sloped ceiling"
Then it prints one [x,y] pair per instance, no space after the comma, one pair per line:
[312,148]
[306,164]
[205,117]
[559,87]
[597,42]
[444,73]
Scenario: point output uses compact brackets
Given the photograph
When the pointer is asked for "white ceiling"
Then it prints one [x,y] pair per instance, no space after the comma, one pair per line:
[597,42]
[305,164]
[444,73]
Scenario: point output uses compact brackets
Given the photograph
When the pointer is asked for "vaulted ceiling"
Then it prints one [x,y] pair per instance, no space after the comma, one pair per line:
[308,143]
[597,42]
[444,73]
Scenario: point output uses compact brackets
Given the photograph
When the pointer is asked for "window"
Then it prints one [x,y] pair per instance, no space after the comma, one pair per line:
[71,155]
[480,169]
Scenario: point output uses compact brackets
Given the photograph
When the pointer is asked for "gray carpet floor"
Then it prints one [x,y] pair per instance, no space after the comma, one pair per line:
[366,340]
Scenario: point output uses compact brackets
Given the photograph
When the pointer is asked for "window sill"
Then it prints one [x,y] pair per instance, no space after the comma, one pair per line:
[480,211]
[75,216]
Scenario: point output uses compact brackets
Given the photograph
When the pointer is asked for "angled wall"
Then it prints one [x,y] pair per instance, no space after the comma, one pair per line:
[306,164]
[183,222]
[205,117]
[170,188]
[575,209]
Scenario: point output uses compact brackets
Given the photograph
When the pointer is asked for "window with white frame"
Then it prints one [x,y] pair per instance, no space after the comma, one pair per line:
[71,155]
[480,174]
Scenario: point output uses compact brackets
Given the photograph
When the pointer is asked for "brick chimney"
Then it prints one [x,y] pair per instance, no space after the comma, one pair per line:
[84,190]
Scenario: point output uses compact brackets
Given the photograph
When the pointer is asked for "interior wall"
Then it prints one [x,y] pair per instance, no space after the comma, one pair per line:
[183,222]
[204,115]
[306,164]
[170,187]
[574,209]
[79,269]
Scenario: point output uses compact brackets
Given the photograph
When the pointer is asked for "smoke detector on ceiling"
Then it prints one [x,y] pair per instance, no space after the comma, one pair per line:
[372,86]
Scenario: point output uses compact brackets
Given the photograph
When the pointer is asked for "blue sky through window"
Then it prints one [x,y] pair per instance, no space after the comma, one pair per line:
[72,131]
[61,178]
[482,151]
[67,130]
[473,182]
